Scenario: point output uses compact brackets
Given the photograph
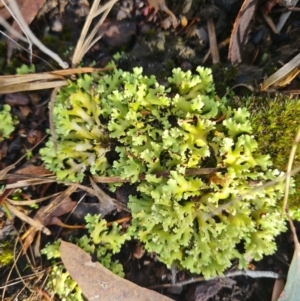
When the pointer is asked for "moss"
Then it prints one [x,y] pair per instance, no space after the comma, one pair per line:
[275,124]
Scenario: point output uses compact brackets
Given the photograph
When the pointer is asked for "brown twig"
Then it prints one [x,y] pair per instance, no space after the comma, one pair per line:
[247,273]
[288,171]
[51,120]
[36,224]
[213,45]
[259,188]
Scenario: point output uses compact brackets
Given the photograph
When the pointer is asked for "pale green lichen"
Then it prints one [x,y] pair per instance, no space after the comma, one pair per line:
[79,133]
[101,241]
[172,128]
[7,124]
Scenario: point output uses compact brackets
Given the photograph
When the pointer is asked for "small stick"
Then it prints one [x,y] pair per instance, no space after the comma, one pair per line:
[289,169]
[213,46]
[36,224]
[248,273]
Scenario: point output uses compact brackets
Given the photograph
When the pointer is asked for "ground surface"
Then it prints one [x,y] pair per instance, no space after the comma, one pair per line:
[148,39]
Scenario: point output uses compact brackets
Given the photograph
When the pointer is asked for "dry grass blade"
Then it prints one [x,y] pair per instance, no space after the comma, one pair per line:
[8,80]
[277,289]
[36,224]
[33,86]
[270,22]
[283,72]
[30,82]
[17,15]
[47,211]
[213,46]
[4,172]
[12,31]
[30,182]
[84,31]
[32,202]
[107,202]
[45,215]
[12,268]
[51,121]
[39,81]
[291,5]
[85,43]
[289,169]
[239,35]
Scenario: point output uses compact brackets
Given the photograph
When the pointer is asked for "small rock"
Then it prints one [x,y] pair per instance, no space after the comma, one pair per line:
[117,33]
[56,24]
[34,136]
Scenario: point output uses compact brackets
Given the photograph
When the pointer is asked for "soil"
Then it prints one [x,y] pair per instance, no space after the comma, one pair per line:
[146,38]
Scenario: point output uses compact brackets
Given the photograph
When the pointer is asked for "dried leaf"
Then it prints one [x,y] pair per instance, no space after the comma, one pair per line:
[277,289]
[83,208]
[45,215]
[28,237]
[4,13]
[291,291]
[284,75]
[16,99]
[161,5]
[98,283]
[239,35]
[29,9]
[34,171]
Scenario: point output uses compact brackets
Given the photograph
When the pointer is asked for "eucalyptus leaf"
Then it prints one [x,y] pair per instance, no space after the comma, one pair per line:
[291,290]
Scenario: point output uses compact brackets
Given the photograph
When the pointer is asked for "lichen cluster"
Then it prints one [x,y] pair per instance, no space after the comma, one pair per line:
[100,241]
[79,133]
[163,132]
[7,124]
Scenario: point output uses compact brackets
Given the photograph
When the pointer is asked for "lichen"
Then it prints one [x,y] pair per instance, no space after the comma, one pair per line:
[80,135]
[162,132]
[100,241]
[7,125]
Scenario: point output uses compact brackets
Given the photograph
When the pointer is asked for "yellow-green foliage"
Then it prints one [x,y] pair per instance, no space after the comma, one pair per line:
[6,122]
[275,122]
[169,129]
[79,132]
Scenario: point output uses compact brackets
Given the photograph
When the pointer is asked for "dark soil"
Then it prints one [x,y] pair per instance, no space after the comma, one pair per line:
[144,38]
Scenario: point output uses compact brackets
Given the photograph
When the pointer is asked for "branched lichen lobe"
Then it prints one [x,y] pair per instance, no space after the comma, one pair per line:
[182,125]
